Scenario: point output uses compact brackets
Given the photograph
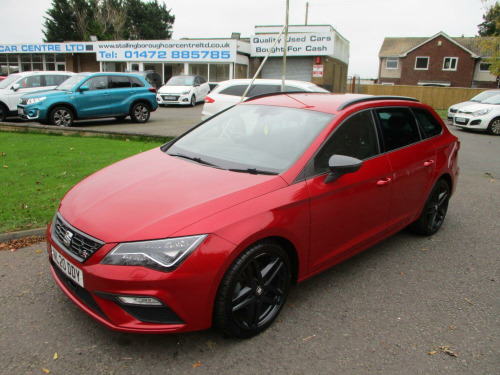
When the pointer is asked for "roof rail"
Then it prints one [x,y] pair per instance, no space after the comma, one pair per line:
[371,98]
[283,93]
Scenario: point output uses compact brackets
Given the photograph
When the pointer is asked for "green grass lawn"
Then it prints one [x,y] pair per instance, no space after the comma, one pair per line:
[443,113]
[36,170]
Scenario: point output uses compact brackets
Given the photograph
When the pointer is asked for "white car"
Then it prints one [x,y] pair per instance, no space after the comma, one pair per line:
[480,116]
[186,90]
[18,84]
[477,99]
[228,93]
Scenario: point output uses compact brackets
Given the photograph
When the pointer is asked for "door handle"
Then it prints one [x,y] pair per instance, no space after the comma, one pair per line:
[383,182]
[428,163]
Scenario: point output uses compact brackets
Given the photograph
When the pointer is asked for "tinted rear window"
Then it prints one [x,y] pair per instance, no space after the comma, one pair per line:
[429,124]
[237,90]
[116,82]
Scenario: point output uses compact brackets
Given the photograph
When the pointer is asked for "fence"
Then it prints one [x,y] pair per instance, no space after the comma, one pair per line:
[436,97]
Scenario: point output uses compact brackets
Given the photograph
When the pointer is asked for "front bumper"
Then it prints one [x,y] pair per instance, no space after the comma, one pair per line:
[30,113]
[164,99]
[186,294]
[470,122]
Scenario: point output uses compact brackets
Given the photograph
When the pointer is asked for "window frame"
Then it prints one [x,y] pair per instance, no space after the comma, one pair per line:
[483,62]
[451,63]
[387,63]
[422,57]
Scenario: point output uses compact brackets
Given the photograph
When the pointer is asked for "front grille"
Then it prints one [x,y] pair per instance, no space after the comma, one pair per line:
[76,243]
[83,295]
[453,110]
[171,97]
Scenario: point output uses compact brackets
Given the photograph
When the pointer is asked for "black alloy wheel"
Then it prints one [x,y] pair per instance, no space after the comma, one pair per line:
[61,116]
[434,211]
[494,126]
[253,291]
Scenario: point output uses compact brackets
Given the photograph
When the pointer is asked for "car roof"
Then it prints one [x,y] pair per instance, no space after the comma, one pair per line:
[40,72]
[264,81]
[322,102]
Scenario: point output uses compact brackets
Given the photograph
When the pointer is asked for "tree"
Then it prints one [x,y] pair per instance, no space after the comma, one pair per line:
[490,31]
[77,20]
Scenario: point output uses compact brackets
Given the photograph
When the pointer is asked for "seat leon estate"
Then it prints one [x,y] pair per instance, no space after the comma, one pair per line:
[214,227]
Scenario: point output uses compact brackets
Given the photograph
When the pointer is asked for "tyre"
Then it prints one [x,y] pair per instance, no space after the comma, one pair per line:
[253,290]
[494,127]
[193,101]
[3,113]
[140,113]
[61,116]
[434,211]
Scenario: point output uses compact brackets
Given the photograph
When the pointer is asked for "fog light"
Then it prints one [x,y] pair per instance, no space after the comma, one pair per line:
[144,301]
[185,99]
[475,122]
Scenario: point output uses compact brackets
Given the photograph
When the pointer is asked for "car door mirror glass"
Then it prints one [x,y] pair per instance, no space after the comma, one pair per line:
[340,165]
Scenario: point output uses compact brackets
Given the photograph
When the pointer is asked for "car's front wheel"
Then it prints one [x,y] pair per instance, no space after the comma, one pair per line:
[434,211]
[3,113]
[253,290]
[140,113]
[61,116]
[494,126]
[193,101]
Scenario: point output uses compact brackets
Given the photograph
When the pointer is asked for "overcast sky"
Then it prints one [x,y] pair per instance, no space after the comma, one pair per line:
[364,23]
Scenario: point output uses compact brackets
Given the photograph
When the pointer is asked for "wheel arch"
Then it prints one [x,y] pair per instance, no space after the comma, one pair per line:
[140,100]
[70,106]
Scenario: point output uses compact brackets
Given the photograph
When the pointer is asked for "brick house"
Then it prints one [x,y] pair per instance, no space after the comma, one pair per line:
[436,61]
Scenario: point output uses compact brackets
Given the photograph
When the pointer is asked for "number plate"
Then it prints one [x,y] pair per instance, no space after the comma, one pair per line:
[169,98]
[73,272]
[460,120]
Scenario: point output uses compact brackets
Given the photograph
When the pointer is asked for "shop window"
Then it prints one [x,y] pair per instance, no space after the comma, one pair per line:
[219,72]
[422,63]
[450,63]
[241,71]
[199,70]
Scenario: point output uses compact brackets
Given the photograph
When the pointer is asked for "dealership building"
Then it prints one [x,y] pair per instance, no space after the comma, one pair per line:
[315,53]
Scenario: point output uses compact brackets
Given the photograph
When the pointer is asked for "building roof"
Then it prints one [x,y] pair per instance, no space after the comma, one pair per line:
[399,47]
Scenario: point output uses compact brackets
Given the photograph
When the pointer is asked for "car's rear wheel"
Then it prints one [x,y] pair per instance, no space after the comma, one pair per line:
[61,116]
[193,101]
[3,113]
[494,126]
[253,290]
[140,113]
[434,211]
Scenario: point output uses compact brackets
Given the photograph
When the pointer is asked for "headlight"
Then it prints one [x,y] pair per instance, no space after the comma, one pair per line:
[162,255]
[481,112]
[35,100]
[186,92]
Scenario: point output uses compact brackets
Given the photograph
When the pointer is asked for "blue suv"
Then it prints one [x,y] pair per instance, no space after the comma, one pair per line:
[91,95]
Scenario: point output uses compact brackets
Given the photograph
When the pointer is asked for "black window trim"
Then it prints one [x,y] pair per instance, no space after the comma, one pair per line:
[308,173]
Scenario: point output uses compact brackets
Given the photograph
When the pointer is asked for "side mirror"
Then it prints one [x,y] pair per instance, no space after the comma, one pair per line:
[340,165]
[84,88]
[15,86]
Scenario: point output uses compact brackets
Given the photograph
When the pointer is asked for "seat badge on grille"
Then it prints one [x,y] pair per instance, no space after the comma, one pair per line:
[67,238]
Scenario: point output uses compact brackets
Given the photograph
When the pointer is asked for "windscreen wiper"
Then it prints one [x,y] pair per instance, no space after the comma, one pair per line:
[253,171]
[196,159]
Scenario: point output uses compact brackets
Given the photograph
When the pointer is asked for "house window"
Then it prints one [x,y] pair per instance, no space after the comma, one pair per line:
[484,66]
[422,63]
[391,63]
[450,63]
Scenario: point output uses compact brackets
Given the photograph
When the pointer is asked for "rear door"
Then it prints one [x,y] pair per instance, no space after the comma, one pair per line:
[412,159]
[120,92]
[351,211]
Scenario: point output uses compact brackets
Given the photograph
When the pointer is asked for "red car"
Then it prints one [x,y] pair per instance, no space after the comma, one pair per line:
[214,227]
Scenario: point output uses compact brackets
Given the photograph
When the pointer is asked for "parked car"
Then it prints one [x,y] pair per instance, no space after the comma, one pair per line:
[18,84]
[184,90]
[228,93]
[214,226]
[484,116]
[153,78]
[91,95]
[476,99]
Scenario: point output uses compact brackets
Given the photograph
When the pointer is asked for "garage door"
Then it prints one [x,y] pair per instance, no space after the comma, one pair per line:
[299,68]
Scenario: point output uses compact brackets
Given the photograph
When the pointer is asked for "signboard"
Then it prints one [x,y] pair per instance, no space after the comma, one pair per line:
[167,50]
[317,70]
[298,44]
[73,47]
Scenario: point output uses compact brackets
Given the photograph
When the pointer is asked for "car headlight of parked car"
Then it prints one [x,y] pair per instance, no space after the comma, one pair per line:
[34,100]
[162,255]
[481,112]
[186,92]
